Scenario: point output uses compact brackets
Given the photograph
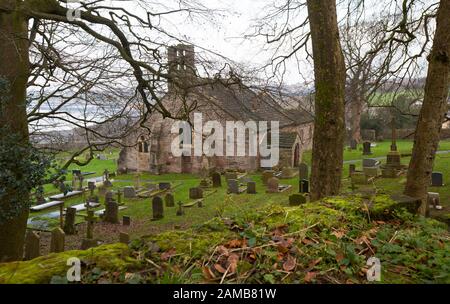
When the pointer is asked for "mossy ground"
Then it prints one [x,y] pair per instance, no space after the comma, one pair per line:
[324,242]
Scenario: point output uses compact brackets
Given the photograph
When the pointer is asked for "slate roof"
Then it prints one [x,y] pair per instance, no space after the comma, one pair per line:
[242,103]
[287,139]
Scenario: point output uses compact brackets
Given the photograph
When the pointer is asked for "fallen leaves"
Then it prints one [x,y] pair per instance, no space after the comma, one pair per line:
[290,263]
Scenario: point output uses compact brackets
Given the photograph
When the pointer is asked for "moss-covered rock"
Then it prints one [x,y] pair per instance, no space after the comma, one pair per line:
[113,257]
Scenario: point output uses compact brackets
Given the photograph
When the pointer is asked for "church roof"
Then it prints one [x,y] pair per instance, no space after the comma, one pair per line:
[242,103]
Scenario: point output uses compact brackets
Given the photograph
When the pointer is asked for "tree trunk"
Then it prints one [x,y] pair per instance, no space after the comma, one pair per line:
[14,68]
[329,124]
[433,110]
[355,123]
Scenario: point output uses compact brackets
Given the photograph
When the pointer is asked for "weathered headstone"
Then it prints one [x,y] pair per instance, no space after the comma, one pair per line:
[371,171]
[352,169]
[367,148]
[230,175]
[297,199]
[359,178]
[370,162]
[124,238]
[90,224]
[217,180]
[164,186]
[303,186]
[180,210]
[158,208]
[437,179]
[433,199]
[169,200]
[111,212]
[273,185]
[129,192]
[195,193]
[109,197]
[32,245]
[233,186]
[69,222]
[266,175]
[126,220]
[353,144]
[251,188]
[58,240]
[303,171]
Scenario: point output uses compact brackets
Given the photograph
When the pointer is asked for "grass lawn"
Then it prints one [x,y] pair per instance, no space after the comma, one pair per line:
[229,205]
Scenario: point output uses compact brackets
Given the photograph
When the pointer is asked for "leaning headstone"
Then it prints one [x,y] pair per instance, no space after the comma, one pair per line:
[158,208]
[303,171]
[251,188]
[217,180]
[126,220]
[111,212]
[266,175]
[233,186]
[303,186]
[297,199]
[124,238]
[69,222]
[195,193]
[367,148]
[164,186]
[273,185]
[437,179]
[57,241]
[169,200]
[129,192]
[32,245]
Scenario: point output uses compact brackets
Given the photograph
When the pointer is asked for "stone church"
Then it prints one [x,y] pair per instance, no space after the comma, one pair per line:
[149,149]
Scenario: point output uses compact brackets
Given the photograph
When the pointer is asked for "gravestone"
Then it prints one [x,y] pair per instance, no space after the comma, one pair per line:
[195,193]
[158,208]
[180,210]
[371,171]
[164,186]
[129,192]
[353,144]
[126,220]
[230,175]
[370,162]
[111,212]
[359,178]
[217,180]
[352,169]
[90,224]
[303,186]
[57,241]
[169,200]
[32,245]
[124,238]
[266,175]
[303,171]
[109,197]
[233,186]
[119,197]
[367,148]
[434,200]
[437,179]
[251,188]
[273,185]
[297,199]
[69,222]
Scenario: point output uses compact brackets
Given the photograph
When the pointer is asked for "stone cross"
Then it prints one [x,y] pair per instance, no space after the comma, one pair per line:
[57,241]
[32,245]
